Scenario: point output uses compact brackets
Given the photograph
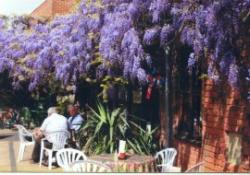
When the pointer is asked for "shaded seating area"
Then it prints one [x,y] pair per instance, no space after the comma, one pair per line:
[73,160]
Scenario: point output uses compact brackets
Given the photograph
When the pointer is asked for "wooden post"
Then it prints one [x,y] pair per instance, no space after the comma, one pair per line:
[168,111]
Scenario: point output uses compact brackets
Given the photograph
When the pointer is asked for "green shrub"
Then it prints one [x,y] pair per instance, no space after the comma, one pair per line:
[142,141]
[102,129]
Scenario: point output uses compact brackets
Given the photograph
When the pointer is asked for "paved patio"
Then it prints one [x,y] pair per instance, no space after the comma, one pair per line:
[9,146]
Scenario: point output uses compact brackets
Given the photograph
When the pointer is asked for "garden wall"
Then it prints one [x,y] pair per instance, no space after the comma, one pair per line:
[225,133]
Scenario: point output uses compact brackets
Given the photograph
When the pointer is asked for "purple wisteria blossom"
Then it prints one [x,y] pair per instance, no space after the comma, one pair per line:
[191,60]
[113,34]
[158,8]
[167,34]
[152,35]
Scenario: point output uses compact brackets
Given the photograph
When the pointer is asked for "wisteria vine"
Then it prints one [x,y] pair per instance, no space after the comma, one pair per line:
[113,34]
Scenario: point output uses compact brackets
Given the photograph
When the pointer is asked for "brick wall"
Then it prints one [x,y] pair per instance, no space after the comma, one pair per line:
[51,8]
[188,154]
[61,7]
[44,10]
[224,112]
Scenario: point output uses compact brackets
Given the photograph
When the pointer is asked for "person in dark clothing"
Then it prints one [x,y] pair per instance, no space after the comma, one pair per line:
[75,122]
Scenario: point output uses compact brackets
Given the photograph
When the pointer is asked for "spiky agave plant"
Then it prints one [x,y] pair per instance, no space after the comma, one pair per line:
[103,127]
[143,141]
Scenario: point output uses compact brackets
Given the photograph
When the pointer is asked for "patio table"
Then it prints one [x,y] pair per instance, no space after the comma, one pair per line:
[133,163]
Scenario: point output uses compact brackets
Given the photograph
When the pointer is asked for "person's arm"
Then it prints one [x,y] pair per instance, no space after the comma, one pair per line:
[44,125]
[39,132]
[69,123]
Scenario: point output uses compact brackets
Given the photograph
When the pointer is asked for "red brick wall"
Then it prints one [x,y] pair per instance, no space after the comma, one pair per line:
[223,111]
[61,7]
[44,10]
[51,8]
[187,154]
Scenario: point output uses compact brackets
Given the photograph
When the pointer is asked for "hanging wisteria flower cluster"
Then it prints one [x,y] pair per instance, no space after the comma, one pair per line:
[114,33]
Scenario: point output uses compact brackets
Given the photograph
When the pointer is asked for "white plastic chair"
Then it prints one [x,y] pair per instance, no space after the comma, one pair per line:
[23,133]
[90,166]
[166,158]
[58,140]
[66,157]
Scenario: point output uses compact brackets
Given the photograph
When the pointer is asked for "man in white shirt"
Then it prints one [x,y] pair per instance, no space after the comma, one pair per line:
[53,123]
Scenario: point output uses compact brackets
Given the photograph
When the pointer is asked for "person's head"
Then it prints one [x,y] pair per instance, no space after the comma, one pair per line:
[72,110]
[52,110]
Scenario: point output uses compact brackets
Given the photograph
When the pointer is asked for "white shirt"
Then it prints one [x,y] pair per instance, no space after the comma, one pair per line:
[54,122]
[76,122]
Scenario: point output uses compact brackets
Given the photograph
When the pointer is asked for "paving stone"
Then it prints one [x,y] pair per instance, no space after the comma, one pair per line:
[26,165]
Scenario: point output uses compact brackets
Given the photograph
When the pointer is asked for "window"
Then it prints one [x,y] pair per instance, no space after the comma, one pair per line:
[234,148]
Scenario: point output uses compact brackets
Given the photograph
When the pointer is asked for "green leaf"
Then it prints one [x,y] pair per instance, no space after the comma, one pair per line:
[133,146]
[114,115]
[98,127]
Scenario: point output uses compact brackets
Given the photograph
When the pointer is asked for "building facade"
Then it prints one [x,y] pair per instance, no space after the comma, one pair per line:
[225,133]
[51,8]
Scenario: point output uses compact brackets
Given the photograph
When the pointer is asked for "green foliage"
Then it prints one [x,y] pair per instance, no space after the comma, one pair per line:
[108,82]
[25,115]
[5,97]
[5,90]
[32,117]
[101,131]
[38,114]
[143,141]
[62,106]
[103,127]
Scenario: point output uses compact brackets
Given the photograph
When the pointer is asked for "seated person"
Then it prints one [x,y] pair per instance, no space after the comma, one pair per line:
[75,120]
[53,123]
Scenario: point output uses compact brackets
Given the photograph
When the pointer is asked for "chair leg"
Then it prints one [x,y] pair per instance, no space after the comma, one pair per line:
[24,146]
[21,152]
[41,157]
[50,159]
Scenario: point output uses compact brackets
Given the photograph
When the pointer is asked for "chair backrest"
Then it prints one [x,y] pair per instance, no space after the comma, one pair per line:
[66,157]
[58,139]
[23,132]
[166,156]
[195,169]
[90,166]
